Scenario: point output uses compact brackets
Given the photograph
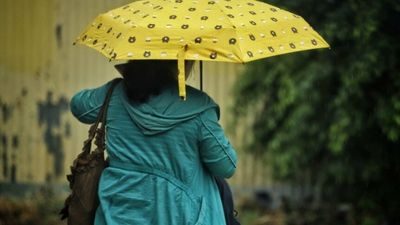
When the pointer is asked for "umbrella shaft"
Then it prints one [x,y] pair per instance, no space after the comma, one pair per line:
[201,75]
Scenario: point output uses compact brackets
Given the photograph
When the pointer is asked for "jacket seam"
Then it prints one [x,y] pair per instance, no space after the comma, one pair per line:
[219,142]
[89,111]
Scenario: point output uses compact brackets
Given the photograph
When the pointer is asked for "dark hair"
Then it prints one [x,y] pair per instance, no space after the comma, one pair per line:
[144,78]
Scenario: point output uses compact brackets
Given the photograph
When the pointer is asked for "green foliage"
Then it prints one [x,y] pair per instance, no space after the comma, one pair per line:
[334,114]
[40,208]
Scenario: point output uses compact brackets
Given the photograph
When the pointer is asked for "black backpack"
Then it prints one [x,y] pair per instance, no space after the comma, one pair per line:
[227,202]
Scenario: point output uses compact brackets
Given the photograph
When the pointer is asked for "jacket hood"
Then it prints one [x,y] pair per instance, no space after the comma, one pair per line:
[165,111]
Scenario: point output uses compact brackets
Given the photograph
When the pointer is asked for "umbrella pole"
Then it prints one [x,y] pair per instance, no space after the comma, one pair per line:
[201,75]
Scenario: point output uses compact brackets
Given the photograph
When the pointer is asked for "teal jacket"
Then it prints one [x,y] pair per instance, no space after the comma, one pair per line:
[163,156]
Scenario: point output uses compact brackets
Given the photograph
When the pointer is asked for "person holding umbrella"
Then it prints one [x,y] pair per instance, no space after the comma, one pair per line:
[163,152]
[163,138]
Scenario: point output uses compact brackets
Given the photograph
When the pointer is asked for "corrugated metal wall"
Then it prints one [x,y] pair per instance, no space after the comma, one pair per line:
[39,72]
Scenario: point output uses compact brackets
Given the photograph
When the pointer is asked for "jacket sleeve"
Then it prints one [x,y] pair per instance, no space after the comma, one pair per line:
[216,152]
[85,105]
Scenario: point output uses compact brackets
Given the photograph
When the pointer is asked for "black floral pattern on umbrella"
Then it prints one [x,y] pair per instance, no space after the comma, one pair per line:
[252,37]
[147,54]
[165,39]
[197,40]
[271,49]
[314,42]
[213,55]
[132,39]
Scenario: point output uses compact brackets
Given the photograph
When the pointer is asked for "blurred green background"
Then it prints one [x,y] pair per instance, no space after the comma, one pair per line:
[329,121]
[317,132]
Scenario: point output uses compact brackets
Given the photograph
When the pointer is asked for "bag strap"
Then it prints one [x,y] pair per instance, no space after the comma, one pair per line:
[101,118]
[104,108]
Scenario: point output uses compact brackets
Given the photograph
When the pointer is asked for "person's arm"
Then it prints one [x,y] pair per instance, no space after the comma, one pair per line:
[85,105]
[216,152]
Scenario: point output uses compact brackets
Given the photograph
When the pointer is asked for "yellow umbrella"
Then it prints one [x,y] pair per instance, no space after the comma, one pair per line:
[214,30]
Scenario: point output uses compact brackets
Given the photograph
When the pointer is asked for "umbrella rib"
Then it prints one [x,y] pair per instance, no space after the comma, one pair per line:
[160,2]
[234,29]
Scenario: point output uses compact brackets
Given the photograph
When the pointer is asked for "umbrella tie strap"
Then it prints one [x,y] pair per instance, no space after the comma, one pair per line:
[181,72]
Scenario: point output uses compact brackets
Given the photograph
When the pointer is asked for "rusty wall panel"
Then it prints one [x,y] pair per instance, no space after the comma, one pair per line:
[81,67]
[26,47]
[40,70]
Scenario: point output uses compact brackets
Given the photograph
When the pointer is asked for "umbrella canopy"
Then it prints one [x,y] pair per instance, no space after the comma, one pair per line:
[215,30]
